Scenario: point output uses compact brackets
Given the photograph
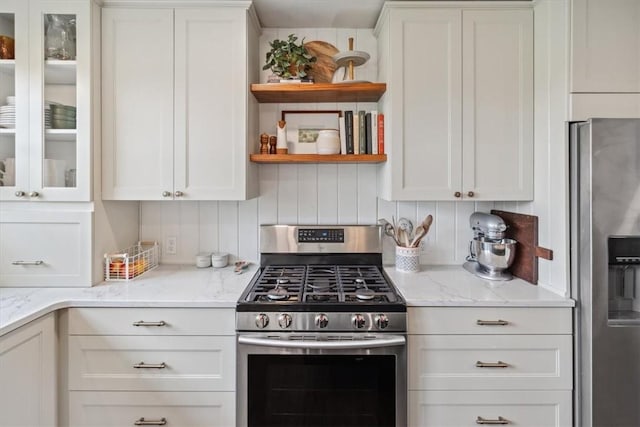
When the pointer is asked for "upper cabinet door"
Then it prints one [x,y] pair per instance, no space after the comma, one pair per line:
[14,112]
[605,47]
[210,103]
[46,106]
[497,107]
[423,108]
[60,100]
[137,103]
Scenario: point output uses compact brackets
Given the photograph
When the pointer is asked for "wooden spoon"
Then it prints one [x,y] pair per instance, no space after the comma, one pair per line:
[426,224]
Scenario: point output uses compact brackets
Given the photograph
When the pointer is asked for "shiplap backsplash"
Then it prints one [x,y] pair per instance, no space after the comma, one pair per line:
[346,193]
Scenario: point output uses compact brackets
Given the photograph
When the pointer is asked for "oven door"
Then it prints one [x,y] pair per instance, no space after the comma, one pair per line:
[321,380]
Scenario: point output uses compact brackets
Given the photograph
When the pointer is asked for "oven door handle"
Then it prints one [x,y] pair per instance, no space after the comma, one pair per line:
[390,341]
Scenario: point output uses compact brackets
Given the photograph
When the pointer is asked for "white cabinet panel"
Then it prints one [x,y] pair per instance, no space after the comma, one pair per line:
[463,362]
[459,107]
[43,154]
[605,49]
[463,408]
[151,321]
[210,109]
[506,365]
[28,375]
[39,248]
[158,363]
[425,98]
[117,409]
[177,119]
[489,320]
[497,110]
[137,97]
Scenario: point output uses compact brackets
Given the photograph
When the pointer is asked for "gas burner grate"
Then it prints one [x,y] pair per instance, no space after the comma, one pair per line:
[288,277]
[318,284]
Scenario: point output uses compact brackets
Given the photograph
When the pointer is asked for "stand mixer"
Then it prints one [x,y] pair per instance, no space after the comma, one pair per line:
[490,253]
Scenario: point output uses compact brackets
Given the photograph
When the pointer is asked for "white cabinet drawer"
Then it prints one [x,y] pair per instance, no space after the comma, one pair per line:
[462,408]
[532,362]
[488,320]
[118,409]
[151,321]
[157,363]
[40,248]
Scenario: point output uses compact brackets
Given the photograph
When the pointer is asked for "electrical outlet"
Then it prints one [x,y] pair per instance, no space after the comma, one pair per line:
[171,245]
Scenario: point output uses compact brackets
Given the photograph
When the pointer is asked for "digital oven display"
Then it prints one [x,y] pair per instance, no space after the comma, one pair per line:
[321,235]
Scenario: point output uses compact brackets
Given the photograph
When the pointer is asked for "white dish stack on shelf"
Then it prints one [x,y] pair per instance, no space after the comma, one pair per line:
[8,113]
[47,114]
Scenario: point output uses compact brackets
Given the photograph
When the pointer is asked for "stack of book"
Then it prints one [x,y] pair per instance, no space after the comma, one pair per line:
[362,132]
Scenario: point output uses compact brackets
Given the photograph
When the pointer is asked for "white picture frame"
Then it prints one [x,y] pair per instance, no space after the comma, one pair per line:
[303,127]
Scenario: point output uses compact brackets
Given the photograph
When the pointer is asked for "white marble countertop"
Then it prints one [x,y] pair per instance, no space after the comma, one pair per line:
[188,286]
[440,285]
[165,286]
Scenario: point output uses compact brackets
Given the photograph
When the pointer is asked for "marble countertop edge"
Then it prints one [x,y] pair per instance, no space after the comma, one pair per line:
[173,286]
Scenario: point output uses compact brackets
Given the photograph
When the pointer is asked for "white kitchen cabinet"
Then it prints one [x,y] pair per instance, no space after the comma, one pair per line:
[470,408]
[51,163]
[28,375]
[493,362]
[605,46]
[183,409]
[152,321]
[459,108]
[178,119]
[469,365]
[45,248]
[152,363]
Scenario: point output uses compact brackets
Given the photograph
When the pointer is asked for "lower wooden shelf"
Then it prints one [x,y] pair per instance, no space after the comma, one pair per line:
[318,158]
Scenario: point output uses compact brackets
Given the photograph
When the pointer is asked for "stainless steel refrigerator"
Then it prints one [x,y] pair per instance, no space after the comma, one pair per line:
[605,270]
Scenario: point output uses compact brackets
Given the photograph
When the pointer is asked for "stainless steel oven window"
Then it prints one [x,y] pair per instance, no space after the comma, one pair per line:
[373,397]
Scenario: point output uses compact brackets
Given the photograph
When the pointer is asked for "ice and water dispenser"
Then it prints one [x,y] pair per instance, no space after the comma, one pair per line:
[624,278]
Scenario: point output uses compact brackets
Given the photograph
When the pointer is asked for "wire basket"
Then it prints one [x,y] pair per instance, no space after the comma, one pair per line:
[131,262]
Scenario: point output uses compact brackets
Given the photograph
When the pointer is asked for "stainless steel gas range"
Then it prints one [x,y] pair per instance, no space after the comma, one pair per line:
[321,332]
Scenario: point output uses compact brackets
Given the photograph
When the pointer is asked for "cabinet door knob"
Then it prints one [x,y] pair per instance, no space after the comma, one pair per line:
[20,194]
[34,194]
[166,194]
[179,194]
[470,194]
[457,194]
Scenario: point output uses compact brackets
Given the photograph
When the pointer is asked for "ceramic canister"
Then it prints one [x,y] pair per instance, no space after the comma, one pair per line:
[328,141]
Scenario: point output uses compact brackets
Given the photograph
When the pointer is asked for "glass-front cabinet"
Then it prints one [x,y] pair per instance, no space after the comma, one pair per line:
[45,101]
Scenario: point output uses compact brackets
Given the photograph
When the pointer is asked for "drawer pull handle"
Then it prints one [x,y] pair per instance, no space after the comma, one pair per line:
[500,420]
[150,365]
[143,323]
[497,364]
[38,262]
[491,322]
[143,422]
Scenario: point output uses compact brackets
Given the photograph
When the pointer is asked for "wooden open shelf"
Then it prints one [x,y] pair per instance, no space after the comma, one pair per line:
[318,158]
[318,92]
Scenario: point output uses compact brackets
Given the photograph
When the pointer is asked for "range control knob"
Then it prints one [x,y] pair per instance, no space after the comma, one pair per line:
[284,320]
[382,321]
[358,321]
[322,320]
[262,320]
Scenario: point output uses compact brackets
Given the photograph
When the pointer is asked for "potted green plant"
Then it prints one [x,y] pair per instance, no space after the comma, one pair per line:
[288,59]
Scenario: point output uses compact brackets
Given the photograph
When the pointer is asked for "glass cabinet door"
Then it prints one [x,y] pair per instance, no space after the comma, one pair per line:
[60,107]
[14,138]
